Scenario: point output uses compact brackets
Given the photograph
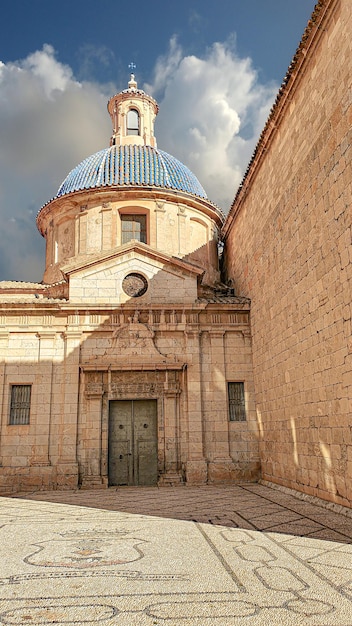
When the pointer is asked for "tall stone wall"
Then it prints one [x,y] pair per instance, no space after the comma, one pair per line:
[289,248]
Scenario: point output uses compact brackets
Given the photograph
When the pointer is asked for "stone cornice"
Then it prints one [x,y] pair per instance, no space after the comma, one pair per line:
[137,247]
[116,194]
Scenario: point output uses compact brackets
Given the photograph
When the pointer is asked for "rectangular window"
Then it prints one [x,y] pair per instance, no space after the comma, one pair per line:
[237,408]
[133,227]
[20,404]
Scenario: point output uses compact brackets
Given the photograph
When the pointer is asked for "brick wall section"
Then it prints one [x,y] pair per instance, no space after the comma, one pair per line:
[289,248]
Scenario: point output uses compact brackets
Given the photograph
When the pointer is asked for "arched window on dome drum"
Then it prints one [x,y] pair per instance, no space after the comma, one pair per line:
[133,227]
[133,122]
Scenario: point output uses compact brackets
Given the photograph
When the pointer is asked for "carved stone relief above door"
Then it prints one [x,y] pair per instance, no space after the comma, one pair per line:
[108,396]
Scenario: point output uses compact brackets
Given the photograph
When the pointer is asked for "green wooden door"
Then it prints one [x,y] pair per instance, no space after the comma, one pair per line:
[133,449]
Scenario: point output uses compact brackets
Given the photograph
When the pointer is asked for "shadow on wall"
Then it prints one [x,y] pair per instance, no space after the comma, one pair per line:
[74,359]
[311,465]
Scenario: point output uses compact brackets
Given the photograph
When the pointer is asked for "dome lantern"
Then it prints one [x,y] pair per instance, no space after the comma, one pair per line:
[130,185]
[133,113]
[133,158]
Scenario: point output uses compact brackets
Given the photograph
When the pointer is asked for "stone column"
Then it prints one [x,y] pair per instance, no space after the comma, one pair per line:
[4,340]
[181,216]
[196,466]
[82,231]
[220,466]
[67,467]
[106,217]
[90,437]
[46,355]
[160,212]
[172,473]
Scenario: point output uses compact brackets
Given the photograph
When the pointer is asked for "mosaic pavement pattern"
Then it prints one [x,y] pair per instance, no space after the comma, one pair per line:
[206,556]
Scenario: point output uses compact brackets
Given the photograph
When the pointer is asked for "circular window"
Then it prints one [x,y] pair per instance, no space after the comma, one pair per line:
[134,285]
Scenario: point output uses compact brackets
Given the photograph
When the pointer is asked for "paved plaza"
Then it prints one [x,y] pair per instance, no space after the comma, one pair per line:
[243,554]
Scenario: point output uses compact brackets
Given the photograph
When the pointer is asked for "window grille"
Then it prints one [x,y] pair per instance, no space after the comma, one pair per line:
[20,404]
[237,408]
[134,227]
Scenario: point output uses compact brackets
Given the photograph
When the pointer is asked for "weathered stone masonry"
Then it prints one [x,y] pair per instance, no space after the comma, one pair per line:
[289,248]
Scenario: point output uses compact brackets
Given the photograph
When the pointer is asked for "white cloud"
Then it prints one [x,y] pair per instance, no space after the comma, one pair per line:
[51,74]
[48,123]
[211,112]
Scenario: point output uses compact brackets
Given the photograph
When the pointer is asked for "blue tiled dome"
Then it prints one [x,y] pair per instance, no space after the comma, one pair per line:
[131,165]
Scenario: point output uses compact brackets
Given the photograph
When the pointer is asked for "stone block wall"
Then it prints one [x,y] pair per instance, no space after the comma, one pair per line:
[78,359]
[42,453]
[289,248]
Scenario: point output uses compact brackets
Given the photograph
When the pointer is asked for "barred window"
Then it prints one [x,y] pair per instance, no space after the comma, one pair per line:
[20,404]
[237,408]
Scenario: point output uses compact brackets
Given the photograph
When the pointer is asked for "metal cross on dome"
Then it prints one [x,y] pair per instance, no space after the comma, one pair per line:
[132,66]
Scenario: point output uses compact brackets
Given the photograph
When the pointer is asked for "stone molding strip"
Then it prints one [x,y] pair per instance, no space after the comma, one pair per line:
[331,506]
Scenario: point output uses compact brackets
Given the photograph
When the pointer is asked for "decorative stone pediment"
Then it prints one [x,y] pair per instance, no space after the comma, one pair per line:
[129,346]
[134,270]
[135,339]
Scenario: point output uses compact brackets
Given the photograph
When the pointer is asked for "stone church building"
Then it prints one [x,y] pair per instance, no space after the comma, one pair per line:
[138,360]
[120,365]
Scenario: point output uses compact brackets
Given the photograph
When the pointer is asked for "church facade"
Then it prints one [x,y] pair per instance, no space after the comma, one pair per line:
[130,364]
[136,361]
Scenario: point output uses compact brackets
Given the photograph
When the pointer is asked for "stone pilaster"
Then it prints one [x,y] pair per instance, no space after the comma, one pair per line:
[90,432]
[4,341]
[46,349]
[220,466]
[195,467]
[172,442]
[67,467]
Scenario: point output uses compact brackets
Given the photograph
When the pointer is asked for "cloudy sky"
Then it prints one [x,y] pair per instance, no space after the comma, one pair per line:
[213,66]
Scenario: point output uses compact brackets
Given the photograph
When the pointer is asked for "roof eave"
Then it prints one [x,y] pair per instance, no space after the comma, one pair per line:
[153,192]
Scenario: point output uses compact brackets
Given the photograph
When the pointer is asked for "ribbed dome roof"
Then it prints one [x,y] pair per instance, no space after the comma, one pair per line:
[131,165]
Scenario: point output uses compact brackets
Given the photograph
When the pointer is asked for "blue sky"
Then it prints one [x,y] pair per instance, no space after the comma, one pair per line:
[213,65]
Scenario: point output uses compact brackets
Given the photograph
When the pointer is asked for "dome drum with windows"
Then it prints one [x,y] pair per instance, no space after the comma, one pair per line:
[130,181]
